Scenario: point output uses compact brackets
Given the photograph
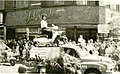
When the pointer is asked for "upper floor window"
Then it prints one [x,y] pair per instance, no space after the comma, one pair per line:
[2,4]
[117,7]
[42,3]
[81,2]
[93,3]
[58,2]
[33,3]
[21,4]
[108,6]
[113,7]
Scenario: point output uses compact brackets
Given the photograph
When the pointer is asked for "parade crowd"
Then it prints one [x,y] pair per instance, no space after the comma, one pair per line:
[102,48]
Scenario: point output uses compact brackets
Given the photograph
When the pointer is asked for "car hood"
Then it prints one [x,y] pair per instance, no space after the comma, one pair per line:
[89,58]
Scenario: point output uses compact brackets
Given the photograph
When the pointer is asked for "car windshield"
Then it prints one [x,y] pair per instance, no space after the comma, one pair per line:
[82,52]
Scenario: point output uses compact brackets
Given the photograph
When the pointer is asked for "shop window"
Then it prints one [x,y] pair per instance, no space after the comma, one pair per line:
[33,30]
[1,30]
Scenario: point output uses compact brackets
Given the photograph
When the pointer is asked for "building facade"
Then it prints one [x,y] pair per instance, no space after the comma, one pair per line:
[79,17]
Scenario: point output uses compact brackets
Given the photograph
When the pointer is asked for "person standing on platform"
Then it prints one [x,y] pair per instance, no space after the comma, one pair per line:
[44,26]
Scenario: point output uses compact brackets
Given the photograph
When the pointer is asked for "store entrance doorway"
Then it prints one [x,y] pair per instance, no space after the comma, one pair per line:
[10,33]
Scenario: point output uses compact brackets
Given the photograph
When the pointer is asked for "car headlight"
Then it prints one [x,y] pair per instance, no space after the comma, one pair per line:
[110,67]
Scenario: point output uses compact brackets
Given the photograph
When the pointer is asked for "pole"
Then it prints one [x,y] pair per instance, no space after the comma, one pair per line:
[27,30]
[4,32]
[75,33]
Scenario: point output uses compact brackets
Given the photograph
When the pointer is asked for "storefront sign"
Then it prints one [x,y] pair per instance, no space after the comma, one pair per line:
[103,28]
[72,14]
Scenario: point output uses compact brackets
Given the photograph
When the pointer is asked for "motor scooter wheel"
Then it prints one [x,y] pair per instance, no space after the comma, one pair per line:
[12,62]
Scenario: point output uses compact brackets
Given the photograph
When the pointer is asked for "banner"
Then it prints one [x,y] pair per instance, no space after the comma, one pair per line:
[45,52]
[103,28]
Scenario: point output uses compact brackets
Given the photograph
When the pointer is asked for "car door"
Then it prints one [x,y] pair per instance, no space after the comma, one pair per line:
[71,59]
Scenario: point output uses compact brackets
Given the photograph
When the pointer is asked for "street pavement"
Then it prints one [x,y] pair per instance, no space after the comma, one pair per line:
[6,68]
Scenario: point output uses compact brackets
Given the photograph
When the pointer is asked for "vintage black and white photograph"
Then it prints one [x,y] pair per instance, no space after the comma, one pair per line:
[59,36]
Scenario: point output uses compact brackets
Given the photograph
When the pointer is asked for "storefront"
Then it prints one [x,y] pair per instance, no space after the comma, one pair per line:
[78,20]
[27,32]
[88,32]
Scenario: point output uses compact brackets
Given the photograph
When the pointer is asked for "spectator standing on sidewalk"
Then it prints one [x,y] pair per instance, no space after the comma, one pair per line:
[81,41]
[17,52]
[90,46]
[21,47]
[102,49]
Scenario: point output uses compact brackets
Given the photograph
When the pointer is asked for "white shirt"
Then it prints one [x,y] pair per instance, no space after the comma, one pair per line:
[80,40]
[43,24]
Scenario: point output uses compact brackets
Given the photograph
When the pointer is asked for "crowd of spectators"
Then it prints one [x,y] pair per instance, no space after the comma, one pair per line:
[102,48]
[108,48]
[20,47]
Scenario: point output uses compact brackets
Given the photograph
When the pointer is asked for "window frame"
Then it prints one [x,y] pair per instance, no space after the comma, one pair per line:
[76,54]
[21,4]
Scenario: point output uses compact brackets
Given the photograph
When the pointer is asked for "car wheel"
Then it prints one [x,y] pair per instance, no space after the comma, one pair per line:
[22,69]
[12,62]
[92,71]
[42,70]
